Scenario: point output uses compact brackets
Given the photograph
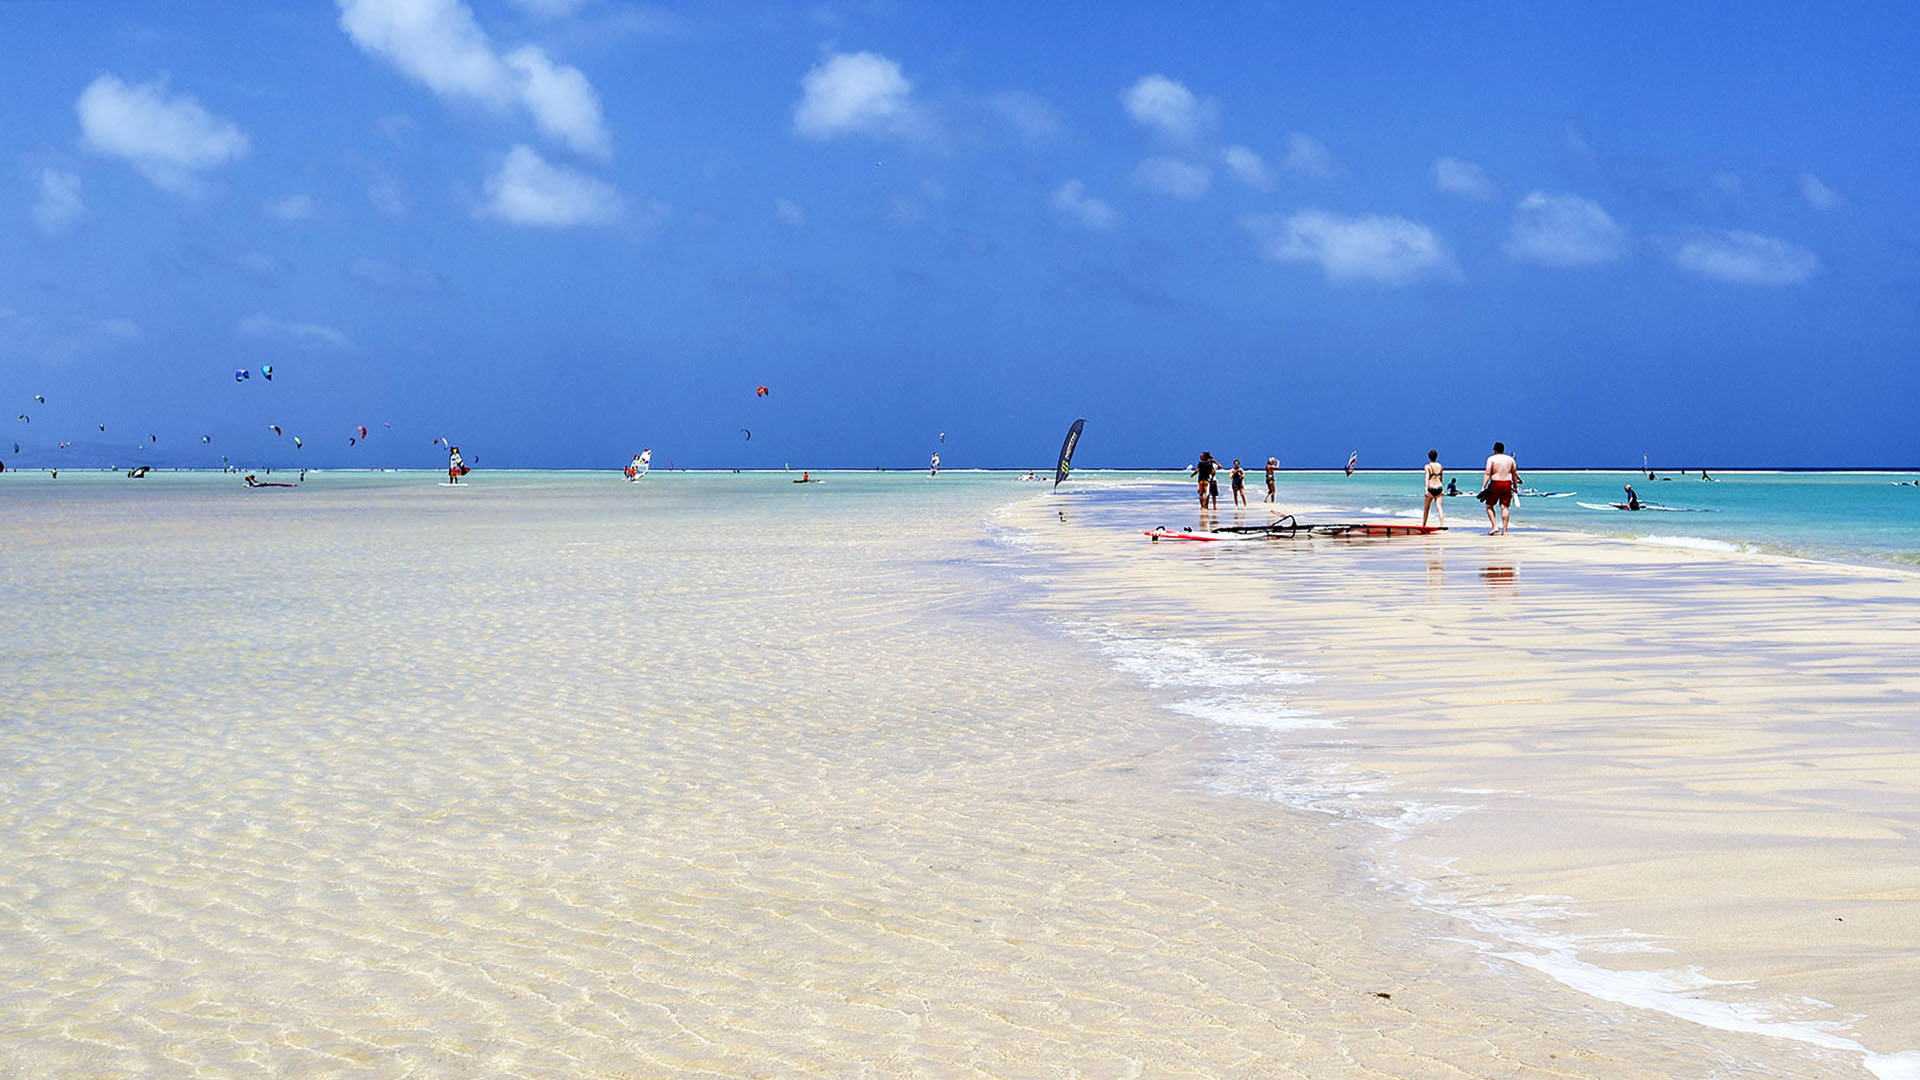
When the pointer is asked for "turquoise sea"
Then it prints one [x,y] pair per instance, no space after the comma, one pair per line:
[1862,517]
[1865,517]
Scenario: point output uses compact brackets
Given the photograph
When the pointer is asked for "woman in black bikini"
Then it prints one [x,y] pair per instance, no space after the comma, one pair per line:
[1435,490]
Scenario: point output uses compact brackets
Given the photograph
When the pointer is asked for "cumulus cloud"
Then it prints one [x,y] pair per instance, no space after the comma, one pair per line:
[1171,176]
[59,205]
[1309,157]
[1455,176]
[528,191]
[789,212]
[561,100]
[859,93]
[263,327]
[1820,196]
[1745,258]
[1384,250]
[1167,108]
[297,207]
[1071,199]
[170,138]
[1564,231]
[438,44]
[1032,117]
[1249,166]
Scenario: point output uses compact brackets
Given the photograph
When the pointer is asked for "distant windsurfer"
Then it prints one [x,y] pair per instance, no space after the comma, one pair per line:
[1204,470]
[1272,464]
[1239,477]
[1502,480]
[1433,500]
[456,468]
[933,467]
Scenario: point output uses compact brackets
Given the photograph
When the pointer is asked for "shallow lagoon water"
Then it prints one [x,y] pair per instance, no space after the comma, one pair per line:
[713,774]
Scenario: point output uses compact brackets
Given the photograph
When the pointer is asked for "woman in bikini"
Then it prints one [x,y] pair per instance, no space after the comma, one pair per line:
[1436,489]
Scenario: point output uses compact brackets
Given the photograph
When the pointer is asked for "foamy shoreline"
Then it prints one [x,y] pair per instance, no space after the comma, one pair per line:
[1481,687]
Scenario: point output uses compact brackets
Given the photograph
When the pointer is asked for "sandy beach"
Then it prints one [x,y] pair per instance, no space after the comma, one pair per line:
[1674,778]
[529,780]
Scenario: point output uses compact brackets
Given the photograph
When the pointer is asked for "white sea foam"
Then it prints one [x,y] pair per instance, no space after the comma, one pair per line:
[1526,931]
[1693,543]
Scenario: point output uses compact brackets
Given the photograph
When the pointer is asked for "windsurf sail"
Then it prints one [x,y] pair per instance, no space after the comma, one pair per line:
[1065,467]
[1353,460]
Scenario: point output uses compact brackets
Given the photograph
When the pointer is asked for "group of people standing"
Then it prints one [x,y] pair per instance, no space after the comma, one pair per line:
[1207,470]
[1500,482]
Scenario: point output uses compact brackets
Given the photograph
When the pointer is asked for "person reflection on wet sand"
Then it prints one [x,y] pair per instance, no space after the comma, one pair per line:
[1498,576]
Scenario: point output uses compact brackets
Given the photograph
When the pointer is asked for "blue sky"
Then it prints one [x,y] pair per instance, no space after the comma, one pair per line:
[557,231]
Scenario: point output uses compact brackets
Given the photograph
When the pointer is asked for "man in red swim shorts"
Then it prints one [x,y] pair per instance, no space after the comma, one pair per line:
[1502,479]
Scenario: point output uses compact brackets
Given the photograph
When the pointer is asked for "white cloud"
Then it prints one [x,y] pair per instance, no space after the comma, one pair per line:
[1249,166]
[119,330]
[859,93]
[1455,176]
[1032,117]
[1386,250]
[1745,258]
[396,128]
[1820,196]
[1725,184]
[438,44]
[260,264]
[1564,231]
[907,210]
[385,275]
[59,205]
[1166,107]
[1309,157]
[171,139]
[30,337]
[1071,199]
[1171,176]
[562,102]
[790,213]
[305,335]
[387,196]
[528,191]
[297,207]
